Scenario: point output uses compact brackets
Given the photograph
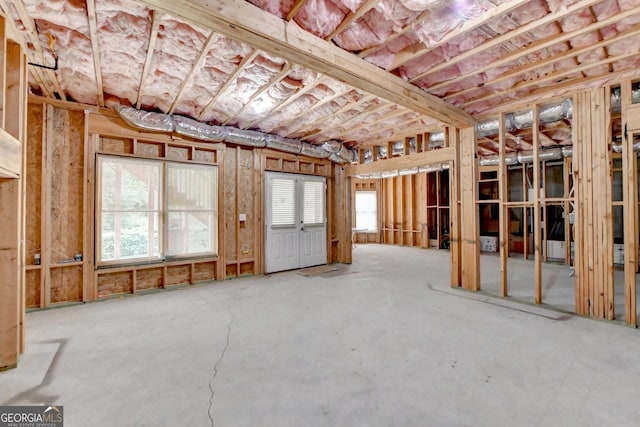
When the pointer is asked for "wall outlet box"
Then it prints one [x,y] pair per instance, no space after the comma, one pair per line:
[242,217]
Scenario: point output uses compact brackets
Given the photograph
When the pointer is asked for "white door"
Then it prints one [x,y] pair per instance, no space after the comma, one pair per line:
[296,232]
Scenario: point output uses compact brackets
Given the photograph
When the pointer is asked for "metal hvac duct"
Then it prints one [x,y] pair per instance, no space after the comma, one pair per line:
[146,120]
[194,129]
[617,148]
[551,154]
[616,99]
[338,152]
[524,119]
[334,150]
[509,159]
[283,144]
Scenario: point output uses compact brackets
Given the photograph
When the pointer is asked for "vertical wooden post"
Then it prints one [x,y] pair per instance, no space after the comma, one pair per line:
[470,254]
[630,191]
[89,291]
[221,263]
[10,290]
[537,273]
[454,213]
[504,210]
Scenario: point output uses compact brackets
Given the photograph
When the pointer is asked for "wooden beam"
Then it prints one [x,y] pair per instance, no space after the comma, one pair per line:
[275,79]
[514,72]
[553,78]
[352,17]
[410,161]
[537,231]
[153,36]
[503,219]
[336,132]
[250,24]
[318,104]
[520,31]
[630,197]
[469,218]
[409,28]
[245,61]
[213,37]
[402,58]
[95,48]
[310,126]
[295,9]
[46,78]
[388,116]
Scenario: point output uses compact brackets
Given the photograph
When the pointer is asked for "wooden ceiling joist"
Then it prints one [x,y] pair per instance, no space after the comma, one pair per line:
[405,30]
[555,77]
[232,78]
[249,24]
[495,42]
[275,79]
[295,9]
[213,37]
[330,133]
[318,104]
[153,35]
[382,119]
[351,17]
[46,78]
[95,47]
[310,127]
[635,30]
[404,57]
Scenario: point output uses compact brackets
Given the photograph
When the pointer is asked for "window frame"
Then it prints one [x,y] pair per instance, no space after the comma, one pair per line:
[163,214]
[355,210]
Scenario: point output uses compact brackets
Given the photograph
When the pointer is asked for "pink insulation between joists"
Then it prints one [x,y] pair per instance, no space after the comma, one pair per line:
[177,46]
[320,17]
[123,36]
[368,31]
[279,8]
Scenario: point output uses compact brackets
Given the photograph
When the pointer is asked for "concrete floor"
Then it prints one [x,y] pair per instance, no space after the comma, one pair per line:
[383,342]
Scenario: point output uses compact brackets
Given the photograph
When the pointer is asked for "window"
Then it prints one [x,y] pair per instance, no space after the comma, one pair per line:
[144,217]
[191,201]
[366,210]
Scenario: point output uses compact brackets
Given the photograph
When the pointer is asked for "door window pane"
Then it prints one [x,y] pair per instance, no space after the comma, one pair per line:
[283,201]
[313,202]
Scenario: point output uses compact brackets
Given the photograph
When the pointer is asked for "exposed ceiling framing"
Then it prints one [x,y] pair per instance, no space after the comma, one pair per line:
[359,71]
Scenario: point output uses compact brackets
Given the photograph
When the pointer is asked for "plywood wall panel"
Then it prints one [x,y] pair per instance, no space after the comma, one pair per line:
[33,213]
[178,274]
[246,196]
[230,172]
[115,283]
[67,184]
[204,271]
[66,284]
[32,288]
[149,278]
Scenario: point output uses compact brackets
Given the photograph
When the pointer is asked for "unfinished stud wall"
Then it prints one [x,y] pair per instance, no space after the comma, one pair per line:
[62,146]
[404,202]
